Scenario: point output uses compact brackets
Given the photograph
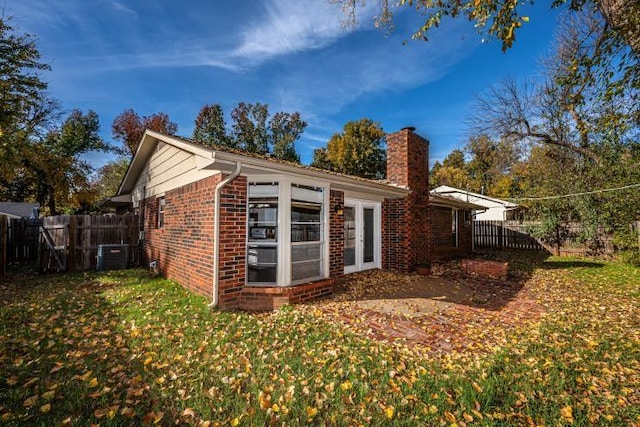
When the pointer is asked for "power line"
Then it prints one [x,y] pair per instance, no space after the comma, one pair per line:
[604,190]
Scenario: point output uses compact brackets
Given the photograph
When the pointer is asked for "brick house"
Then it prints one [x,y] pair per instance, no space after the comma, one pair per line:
[283,233]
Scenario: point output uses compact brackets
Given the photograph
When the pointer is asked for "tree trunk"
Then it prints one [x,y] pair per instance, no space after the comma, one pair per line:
[52,202]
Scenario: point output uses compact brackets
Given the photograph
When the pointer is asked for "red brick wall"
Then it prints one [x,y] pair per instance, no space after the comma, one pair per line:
[442,238]
[408,166]
[183,248]
[233,248]
[396,250]
[258,298]
[336,234]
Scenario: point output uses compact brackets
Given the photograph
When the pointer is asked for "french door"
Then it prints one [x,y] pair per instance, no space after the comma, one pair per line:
[361,235]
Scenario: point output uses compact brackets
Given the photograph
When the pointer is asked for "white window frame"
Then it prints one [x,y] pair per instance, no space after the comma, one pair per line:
[283,274]
[359,205]
[160,220]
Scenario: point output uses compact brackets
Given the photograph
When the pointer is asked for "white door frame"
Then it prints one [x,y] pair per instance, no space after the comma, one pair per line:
[359,206]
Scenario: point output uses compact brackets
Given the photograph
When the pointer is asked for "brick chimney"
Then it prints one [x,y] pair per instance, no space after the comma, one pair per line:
[408,166]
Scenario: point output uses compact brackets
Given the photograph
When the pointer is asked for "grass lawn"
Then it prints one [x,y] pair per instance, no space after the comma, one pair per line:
[121,349]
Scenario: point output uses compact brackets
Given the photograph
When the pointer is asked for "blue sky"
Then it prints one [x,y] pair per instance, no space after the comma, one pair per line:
[153,55]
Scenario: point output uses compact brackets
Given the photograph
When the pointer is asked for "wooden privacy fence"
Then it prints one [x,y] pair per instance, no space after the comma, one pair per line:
[70,242]
[505,234]
[517,235]
[3,245]
[22,240]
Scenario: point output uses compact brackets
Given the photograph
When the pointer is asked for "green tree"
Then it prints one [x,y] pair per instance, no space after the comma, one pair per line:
[210,127]
[58,165]
[109,177]
[285,129]
[250,127]
[22,91]
[357,150]
[320,159]
[128,128]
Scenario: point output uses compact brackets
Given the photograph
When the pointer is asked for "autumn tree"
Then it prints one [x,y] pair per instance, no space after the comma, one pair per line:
[128,128]
[580,127]
[500,20]
[452,171]
[210,127]
[357,150]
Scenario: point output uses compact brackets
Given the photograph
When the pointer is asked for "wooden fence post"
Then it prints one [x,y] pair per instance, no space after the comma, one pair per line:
[3,245]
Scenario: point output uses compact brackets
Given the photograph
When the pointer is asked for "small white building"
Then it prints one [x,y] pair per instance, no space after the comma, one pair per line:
[494,209]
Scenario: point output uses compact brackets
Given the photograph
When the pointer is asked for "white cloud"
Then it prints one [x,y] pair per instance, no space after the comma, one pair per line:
[290,26]
[122,8]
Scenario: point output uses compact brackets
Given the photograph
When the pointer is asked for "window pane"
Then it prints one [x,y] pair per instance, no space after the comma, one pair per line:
[306,226]
[305,233]
[306,270]
[262,251]
[263,189]
[349,235]
[262,264]
[305,212]
[306,252]
[367,250]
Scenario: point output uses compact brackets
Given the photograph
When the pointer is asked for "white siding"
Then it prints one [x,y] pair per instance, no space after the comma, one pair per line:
[168,168]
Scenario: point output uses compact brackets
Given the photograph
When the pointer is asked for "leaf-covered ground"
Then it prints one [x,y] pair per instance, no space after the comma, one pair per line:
[123,349]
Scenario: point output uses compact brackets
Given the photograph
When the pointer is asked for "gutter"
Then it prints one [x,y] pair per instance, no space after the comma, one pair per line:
[216,242]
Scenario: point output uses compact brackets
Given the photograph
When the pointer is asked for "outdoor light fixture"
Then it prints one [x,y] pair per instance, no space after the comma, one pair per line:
[339,209]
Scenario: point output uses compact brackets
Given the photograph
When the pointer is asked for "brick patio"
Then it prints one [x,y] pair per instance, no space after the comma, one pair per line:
[438,315]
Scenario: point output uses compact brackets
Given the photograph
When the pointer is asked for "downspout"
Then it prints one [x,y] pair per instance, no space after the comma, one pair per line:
[216,232]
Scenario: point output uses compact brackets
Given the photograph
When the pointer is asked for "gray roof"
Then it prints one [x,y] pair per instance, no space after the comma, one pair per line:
[17,209]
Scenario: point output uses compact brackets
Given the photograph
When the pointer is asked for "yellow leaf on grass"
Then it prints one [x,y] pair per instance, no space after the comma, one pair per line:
[45,408]
[449,417]
[433,409]
[86,375]
[567,414]
[389,411]
[147,360]
[346,385]
[30,401]
[93,383]
[66,422]
[235,422]
[311,411]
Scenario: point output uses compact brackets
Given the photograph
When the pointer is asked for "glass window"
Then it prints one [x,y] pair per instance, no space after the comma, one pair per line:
[349,235]
[262,246]
[306,232]
[161,204]
[454,227]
